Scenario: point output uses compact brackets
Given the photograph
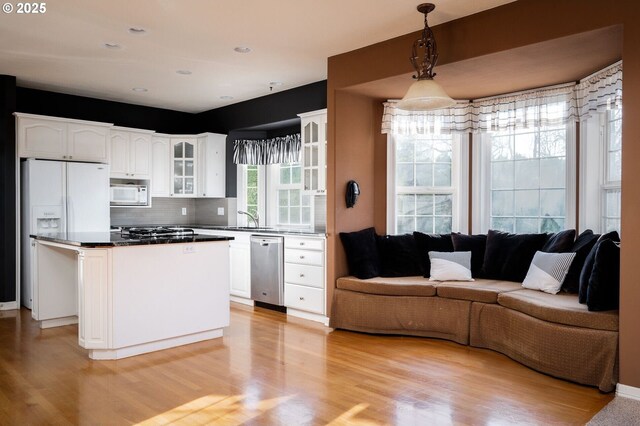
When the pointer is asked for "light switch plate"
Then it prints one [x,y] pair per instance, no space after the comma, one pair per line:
[220,211]
[184,211]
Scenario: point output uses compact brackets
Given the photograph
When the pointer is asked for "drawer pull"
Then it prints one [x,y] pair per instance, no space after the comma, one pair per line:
[301,275]
[301,298]
[301,257]
[302,243]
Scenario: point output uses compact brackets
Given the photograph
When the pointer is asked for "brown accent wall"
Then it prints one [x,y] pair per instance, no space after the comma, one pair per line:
[354,142]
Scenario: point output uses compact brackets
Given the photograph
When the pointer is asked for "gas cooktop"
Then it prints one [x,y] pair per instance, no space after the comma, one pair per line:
[157,232]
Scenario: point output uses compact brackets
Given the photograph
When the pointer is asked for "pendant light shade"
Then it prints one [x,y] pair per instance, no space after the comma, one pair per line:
[425,94]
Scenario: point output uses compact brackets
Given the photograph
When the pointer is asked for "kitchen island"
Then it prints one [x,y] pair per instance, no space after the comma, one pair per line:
[132,295]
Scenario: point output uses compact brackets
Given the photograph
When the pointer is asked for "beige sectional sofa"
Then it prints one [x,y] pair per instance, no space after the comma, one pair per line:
[553,334]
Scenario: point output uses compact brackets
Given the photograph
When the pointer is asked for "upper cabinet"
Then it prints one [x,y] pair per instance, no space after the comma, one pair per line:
[62,139]
[314,150]
[211,165]
[161,165]
[130,153]
[183,166]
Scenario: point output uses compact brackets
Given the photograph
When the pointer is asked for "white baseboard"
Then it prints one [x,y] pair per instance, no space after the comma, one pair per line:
[628,391]
[308,315]
[106,354]
[58,322]
[7,306]
[241,300]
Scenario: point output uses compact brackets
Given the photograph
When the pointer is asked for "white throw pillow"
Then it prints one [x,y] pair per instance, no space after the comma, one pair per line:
[547,271]
[450,266]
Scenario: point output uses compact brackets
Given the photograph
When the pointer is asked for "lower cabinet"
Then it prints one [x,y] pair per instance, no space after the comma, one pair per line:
[304,275]
[240,270]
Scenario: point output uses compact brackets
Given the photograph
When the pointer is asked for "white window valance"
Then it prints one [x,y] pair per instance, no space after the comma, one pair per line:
[556,105]
[522,110]
[600,91]
[443,121]
[285,149]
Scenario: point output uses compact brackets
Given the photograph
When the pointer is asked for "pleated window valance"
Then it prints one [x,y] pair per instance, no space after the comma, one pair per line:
[285,149]
[600,91]
[550,106]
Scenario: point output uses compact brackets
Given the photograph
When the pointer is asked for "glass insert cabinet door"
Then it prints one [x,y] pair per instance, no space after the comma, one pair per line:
[313,156]
[184,167]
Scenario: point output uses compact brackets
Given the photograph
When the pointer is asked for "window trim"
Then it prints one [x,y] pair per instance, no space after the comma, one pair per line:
[459,183]
[241,195]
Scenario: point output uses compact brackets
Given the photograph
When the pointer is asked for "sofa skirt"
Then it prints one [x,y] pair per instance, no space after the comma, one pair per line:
[583,355]
[407,315]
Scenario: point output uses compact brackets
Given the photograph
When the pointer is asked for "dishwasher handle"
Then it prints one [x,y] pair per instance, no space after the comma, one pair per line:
[265,241]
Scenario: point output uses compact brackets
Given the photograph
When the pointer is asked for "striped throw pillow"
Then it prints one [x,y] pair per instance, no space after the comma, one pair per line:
[450,266]
[547,271]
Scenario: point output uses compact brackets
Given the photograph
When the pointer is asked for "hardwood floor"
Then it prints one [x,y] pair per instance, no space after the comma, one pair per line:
[270,369]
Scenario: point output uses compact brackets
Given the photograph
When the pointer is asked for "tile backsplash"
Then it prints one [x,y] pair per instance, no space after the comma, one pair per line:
[168,211]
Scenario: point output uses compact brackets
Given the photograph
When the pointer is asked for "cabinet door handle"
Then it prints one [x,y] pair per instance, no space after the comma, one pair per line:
[64,156]
[301,298]
[301,275]
[70,157]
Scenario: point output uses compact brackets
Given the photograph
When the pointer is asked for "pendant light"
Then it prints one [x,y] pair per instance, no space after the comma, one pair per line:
[425,94]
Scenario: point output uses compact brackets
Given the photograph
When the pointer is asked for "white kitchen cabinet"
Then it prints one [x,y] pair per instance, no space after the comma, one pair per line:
[211,165]
[160,166]
[62,139]
[130,153]
[304,277]
[184,166]
[313,127]
[239,263]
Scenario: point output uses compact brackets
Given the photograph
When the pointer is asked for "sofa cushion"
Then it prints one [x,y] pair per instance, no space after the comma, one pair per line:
[431,242]
[362,252]
[476,244]
[560,242]
[560,308]
[482,290]
[581,247]
[508,256]
[397,286]
[399,256]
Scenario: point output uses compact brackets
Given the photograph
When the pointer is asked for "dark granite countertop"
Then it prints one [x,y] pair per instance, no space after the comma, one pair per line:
[268,230]
[114,239]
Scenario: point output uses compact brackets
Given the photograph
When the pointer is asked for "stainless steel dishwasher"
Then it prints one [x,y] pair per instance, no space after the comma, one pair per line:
[267,269]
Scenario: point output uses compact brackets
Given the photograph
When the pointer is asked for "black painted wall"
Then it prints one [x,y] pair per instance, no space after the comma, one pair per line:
[8,188]
[41,102]
[250,116]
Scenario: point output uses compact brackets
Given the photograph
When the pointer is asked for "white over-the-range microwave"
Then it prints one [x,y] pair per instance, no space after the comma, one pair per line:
[129,195]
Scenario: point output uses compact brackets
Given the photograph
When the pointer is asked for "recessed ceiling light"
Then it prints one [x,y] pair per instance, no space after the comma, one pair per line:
[183,72]
[114,46]
[137,30]
[226,97]
[242,49]
[139,89]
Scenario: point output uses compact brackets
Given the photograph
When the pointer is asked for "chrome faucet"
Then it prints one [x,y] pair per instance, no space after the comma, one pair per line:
[255,219]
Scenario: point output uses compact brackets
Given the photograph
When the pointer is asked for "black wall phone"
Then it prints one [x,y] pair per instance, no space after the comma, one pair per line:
[353,190]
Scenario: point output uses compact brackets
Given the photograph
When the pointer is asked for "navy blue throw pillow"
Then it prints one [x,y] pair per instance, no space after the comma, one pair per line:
[560,242]
[508,256]
[603,293]
[476,244]
[431,242]
[582,247]
[399,256]
[587,269]
[362,253]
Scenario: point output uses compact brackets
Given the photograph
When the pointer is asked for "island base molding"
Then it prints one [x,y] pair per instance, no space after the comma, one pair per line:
[111,354]
[58,322]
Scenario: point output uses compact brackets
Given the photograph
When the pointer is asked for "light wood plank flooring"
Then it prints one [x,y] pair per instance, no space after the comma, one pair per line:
[270,369]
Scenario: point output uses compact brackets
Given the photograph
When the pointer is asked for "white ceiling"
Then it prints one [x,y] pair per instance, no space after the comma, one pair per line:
[63,49]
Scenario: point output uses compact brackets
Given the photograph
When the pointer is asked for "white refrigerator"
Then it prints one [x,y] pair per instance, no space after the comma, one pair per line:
[59,196]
